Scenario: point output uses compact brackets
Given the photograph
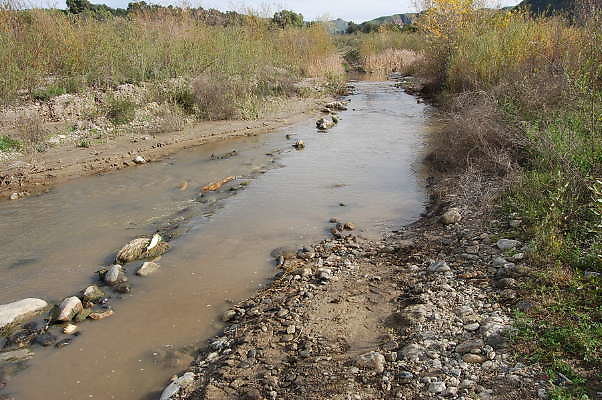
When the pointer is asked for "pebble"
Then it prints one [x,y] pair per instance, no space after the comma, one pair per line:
[507,244]
[139,160]
[373,360]
[451,216]
[436,387]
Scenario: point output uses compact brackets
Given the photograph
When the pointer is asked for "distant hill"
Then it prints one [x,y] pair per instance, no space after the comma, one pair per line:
[548,7]
[406,18]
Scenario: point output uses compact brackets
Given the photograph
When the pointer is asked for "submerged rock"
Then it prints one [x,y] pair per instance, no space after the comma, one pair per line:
[17,355]
[178,386]
[326,123]
[147,268]
[20,311]
[299,144]
[102,315]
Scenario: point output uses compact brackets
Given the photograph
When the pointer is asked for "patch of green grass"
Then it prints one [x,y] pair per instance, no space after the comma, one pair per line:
[8,144]
[45,94]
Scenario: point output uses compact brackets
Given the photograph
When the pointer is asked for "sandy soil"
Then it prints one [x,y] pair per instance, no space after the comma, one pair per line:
[60,163]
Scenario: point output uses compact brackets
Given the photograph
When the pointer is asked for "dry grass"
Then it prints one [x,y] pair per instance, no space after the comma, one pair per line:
[392,60]
[476,136]
[32,133]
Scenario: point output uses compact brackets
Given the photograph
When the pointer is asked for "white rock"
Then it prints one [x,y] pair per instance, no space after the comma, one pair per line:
[20,311]
[147,268]
[69,329]
[436,387]
[439,267]
[451,216]
[373,360]
[178,386]
[139,160]
[69,308]
[507,244]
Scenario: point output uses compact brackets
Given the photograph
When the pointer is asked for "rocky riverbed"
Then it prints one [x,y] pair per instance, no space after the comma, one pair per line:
[426,312]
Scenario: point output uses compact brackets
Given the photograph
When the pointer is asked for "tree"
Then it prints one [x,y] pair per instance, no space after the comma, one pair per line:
[286,18]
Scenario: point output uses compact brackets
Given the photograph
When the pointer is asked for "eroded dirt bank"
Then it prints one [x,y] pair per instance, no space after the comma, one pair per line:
[65,160]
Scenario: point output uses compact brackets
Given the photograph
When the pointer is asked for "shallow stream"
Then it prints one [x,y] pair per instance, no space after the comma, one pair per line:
[364,170]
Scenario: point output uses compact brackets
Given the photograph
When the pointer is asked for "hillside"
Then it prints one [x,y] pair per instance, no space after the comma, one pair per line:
[548,6]
[406,18]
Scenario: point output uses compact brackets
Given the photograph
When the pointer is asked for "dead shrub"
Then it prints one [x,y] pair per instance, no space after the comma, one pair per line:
[476,135]
[32,133]
[393,60]
[218,97]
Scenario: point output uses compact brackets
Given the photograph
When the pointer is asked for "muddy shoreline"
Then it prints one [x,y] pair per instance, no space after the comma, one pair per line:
[423,313]
[39,172]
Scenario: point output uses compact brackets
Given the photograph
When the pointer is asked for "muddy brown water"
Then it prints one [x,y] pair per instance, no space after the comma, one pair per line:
[53,243]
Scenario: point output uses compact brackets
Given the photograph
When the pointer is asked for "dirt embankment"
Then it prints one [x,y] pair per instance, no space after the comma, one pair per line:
[66,160]
[423,313]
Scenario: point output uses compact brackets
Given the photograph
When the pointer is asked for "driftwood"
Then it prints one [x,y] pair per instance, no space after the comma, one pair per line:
[216,185]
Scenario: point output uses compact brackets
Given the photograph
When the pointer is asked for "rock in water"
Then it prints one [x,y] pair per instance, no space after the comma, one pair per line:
[69,308]
[147,268]
[92,293]
[20,311]
[178,386]
[336,105]
[451,216]
[139,249]
[115,275]
[326,123]
[102,315]
[70,329]
[299,144]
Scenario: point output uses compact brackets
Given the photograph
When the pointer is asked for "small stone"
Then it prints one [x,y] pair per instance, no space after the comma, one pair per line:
[507,244]
[472,327]
[102,315]
[451,216]
[14,196]
[405,377]
[349,226]
[412,350]
[147,268]
[299,144]
[439,267]
[139,160]
[70,329]
[436,387]
[473,358]
[469,345]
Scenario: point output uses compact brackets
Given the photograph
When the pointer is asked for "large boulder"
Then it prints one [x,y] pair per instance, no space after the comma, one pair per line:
[20,311]
[115,275]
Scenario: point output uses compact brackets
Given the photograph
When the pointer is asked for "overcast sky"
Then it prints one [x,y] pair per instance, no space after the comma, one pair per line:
[350,10]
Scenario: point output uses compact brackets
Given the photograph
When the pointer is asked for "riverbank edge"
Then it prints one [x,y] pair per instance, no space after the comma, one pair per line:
[62,164]
[425,312]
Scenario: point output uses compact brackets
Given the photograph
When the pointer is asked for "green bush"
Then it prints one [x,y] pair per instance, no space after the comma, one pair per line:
[120,111]
[8,144]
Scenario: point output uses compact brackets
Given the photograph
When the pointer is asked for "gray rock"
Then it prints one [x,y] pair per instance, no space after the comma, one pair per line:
[373,360]
[469,345]
[436,387]
[69,308]
[451,216]
[115,275]
[439,267]
[147,268]
[415,313]
[178,386]
[228,315]
[412,350]
[92,293]
[20,311]
[288,253]
[405,377]
[507,244]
